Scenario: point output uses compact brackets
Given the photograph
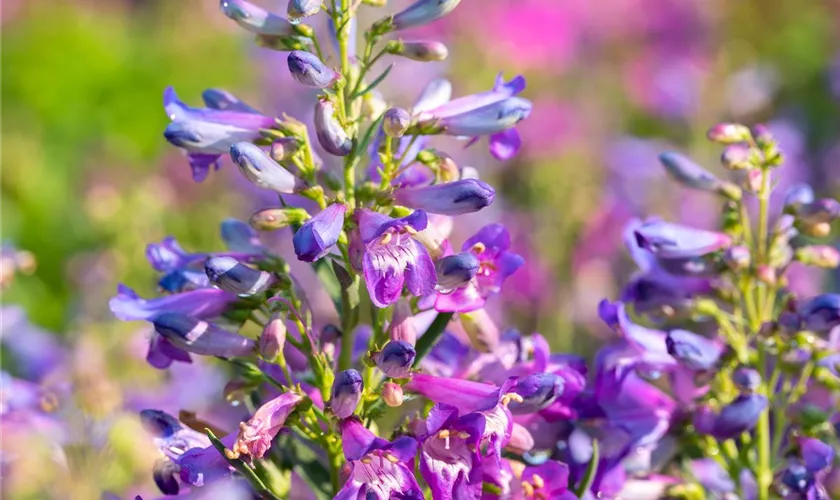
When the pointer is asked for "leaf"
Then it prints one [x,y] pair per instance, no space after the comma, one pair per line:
[374,84]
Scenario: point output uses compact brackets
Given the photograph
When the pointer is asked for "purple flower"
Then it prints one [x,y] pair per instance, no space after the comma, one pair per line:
[201,303]
[449,454]
[298,9]
[162,353]
[234,277]
[456,271]
[256,19]
[225,101]
[688,173]
[199,337]
[494,113]
[259,168]
[36,352]
[319,234]
[395,359]
[346,393]
[805,474]
[675,241]
[549,480]
[309,71]
[821,313]
[395,122]
[393,258]
[207,133]
[422,12]
[181,269]
[256,434]
[746,380]
[240,237]
[538,391]
[735,418]
[402,323]
[331,135]
[203,466]
[490,246]
[451,198]
[379,469]
[693,351]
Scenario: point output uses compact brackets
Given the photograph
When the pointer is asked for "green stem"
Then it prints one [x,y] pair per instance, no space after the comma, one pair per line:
[429,339]
[764,474]
[243,469]
[592,469]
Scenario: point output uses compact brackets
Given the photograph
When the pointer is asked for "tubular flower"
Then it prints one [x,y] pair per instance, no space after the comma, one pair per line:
[256,434]
[449,454]
[393,258]
[232,276]
[451,198]
[256,19]
[201,303]
[346,393]
[735,418]
[258,167]
[319,234]
[494,113]
[207,133]
[490,246]
[395,359]
[422,12]
[199,337]
[379,469]
[682,250]
[309,71]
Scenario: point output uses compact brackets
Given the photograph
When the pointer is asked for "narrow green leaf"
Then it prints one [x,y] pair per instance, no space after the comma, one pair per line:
[592,469]
[373,84]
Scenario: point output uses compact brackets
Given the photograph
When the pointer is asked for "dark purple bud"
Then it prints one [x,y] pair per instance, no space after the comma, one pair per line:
[256,166]
[693,351]
[688,173]
[739,157]
[736,418]
[395,359]
[729,133]
[346,393]
[200,337]
[232,276]
[455,271]
[422,12]
[159,423]
[319,234]
[395,122]
[331,135]
[166,473]
[299,9]
[818,256]
[821,313]
[747,380]
[453,198]
[423,51]
[308,70]
[816,455]
[796,479]
[538,391]
[392,394]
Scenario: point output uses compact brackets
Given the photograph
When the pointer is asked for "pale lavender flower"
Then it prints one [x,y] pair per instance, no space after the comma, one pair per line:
[319,234]
[258,167]
[256,19]
[200,303]
[309,71]
[422,12]
[451,198]
[331,135]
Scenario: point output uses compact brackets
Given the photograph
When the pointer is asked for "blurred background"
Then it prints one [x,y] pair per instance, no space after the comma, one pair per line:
[88,180]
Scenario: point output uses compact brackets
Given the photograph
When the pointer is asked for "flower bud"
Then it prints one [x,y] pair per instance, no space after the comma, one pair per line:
[392,394]
[737,258]
[820,230]
[273,339]
[729,133]
[818,256]
[521,441]
[319,234]
[299,9]
[346,393]
[417,14]
[396,122]
[688,173]
[821,211]
[232,276]
[746,380]
[753,180]
[737,417]
[766,274]
[821,313]
[284,148]
[200,337]
[256,19]
[395,359]
[693,351]
[538,391]
[402,323]
[455,271]
[763,136]
[308,70]
[260,169]
[452,198]
[739,157]
[331,135]
[482,331]
[269,219]
[423,51]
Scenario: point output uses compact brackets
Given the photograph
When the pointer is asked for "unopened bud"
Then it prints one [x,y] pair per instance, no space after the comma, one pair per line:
[765,274]
[521,440]
[763,136]
[256,166]
[396,122]
[729,133]
[402,323]
[753,180]
[284,148]
[730,191]
[273,339]
[395,359]
[737,258]
[746,380]
[298,9]
[818,256]
[423,51]
[332,137]
[822,210]
[482,331]
[346,393]
[309,71]
[739,157]
[269,219]
[232,276]
[820,230]
[455,271]
[392,394]
[688,173]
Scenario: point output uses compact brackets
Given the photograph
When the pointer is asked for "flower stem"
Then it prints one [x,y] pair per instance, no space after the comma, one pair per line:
[429,339]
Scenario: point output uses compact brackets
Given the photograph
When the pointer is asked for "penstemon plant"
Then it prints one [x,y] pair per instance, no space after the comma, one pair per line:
[722,384]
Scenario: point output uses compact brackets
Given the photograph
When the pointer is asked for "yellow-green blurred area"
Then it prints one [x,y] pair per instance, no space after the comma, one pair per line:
[88,179]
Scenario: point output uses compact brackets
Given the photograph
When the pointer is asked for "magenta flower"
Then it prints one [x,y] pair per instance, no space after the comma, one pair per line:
[549,480]
[379,469]
[207,133]
[256,434]
[490,245]
[319,234]
[393,258]
[449,454]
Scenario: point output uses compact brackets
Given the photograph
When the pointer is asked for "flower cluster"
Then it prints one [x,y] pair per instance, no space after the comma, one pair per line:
[714,387]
